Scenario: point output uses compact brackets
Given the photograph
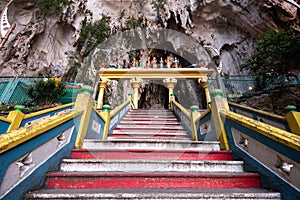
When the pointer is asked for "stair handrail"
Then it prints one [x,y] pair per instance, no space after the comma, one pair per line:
[23,134]
[27,153]
[207,111]
[48,110]
[107,117]
[26,119]
[270,151]
[262,116]
[191,125]
[184,110]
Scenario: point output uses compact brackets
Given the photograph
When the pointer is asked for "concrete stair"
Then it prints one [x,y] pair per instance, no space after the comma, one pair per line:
[150,156]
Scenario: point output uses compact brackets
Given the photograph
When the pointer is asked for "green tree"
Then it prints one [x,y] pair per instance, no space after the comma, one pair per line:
[53,6]
[277,53]
[46,92]
[92,34]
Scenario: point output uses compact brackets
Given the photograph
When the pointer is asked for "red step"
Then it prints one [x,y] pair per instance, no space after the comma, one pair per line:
[151,116]
[151,154]
[160,129]
[149,119]
[150,123]
[112,180]
[165,136]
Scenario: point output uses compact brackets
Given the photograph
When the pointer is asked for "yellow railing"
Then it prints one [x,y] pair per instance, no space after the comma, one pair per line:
[258,111]
[185,111]
[17,137]
[279,135]
[5,119]
[191,116]
[202,115]
[34,114]
[107,116]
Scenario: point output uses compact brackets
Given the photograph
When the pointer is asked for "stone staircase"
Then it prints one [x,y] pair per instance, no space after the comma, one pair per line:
[150,156]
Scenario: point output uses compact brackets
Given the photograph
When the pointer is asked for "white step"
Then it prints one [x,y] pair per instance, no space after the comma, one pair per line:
[136,118]
[151,111]
[150,123]
[148,193]
[149,138]
[183,133]
[149,166]
[158,144]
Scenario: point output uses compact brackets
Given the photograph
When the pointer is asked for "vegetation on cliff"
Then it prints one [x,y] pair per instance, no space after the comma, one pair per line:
[277,54]
[53,6]
[46,92]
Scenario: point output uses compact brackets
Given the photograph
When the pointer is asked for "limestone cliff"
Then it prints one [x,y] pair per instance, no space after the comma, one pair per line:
[226,29]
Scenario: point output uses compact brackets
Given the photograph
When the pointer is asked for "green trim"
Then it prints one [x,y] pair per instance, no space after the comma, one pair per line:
[290,108]
[217,93]
[19,108]
[194,108]
[87,90]
[106,108]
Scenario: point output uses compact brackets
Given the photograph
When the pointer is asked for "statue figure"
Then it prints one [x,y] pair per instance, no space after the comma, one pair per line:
[161,63]
[135,63]
[154,63]
[176,62]
[168,62]
[201,64]
[140,63]
[102,64]
[148,63]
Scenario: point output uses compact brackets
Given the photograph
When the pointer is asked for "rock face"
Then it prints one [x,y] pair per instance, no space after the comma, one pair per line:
[274,100]
[225,30]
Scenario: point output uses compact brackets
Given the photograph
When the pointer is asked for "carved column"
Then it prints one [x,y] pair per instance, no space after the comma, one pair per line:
[203,83]
[102,85]
[170,84]
[136,83]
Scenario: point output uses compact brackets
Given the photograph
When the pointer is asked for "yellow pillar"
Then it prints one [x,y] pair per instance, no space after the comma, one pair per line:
[219,102]
[16,117]
[102,86]
[170,84]
[203,83]
[136,83]
[293,119]
[194,116]
[85,102]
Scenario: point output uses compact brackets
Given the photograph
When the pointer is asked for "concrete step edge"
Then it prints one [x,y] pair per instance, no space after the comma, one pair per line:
[116,132]
[179,193]
[111,138]
[154,141]
[181,166]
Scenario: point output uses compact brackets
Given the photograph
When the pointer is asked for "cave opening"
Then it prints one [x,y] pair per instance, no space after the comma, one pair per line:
[154,95]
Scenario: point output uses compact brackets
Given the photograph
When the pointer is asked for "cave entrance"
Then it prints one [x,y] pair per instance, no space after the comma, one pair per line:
[154,96]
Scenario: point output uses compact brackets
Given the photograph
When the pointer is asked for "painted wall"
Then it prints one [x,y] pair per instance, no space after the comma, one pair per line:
[272,154]
[24,166]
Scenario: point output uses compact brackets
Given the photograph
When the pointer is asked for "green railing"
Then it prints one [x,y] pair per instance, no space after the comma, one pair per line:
[233,86]
[14,90]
